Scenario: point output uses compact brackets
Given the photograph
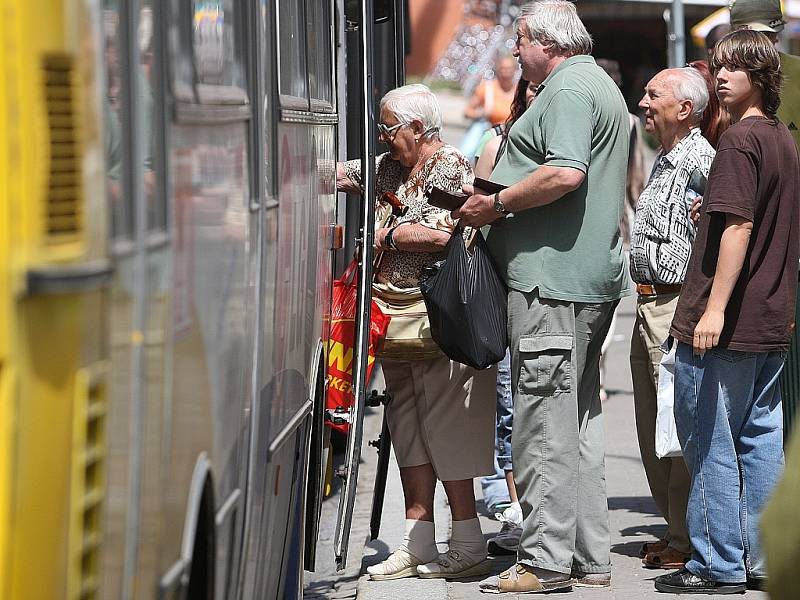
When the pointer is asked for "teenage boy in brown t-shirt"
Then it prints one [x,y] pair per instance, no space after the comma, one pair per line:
[733,324]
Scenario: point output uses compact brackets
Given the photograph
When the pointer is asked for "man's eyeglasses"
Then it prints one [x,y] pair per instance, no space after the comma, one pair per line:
[520,37]
[389,132]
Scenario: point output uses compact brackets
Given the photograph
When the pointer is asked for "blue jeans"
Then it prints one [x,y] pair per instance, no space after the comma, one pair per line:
[730,424]
[505,414]
[495,489]
[471,139]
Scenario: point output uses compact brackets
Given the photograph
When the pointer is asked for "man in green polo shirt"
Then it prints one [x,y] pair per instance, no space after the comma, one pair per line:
[555,237]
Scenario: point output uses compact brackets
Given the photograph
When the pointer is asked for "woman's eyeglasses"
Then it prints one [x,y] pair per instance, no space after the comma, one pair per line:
[389,132]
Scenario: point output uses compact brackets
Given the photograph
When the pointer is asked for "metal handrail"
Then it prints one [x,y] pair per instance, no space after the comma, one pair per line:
[364,298]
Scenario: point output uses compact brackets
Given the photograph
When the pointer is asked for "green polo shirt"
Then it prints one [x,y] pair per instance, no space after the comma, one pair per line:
[789,110]
[571,249]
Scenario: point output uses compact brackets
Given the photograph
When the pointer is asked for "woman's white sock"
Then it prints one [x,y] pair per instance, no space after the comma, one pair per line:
[420,540]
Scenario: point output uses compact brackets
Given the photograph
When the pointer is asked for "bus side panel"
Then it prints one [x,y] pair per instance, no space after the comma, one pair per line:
[293,328]
[297,292]
[213,314]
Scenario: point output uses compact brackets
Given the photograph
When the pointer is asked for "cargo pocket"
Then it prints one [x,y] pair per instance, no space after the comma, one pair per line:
[545,364]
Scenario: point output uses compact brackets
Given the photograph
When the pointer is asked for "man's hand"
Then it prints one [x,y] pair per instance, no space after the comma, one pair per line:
[694,213]
[380,239]
[708,330]
[477,211]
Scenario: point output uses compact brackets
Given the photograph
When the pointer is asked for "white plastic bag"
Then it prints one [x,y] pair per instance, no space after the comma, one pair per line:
[667,444]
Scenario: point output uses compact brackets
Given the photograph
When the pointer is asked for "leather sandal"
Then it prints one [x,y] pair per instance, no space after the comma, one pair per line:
[650,547]
[669,558]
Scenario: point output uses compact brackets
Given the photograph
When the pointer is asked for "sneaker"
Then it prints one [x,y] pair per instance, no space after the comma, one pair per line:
[401,563]
[591,580]
[757,583]
[522,579]
[455,565]
[507,540]
[686,582]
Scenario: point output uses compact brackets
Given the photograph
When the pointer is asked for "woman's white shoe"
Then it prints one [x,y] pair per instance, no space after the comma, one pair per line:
[455,564]
[401,563]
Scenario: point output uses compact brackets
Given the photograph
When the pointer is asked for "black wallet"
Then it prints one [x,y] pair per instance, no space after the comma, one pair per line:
[448,201]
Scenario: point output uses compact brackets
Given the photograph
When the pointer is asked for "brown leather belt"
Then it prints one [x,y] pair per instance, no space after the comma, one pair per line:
[657,289]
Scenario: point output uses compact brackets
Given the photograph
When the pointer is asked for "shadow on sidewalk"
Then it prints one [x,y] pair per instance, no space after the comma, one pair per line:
[328,589]
[636,504]
[382,552]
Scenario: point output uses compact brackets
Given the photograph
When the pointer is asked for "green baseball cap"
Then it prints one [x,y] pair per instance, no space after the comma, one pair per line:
[759,15]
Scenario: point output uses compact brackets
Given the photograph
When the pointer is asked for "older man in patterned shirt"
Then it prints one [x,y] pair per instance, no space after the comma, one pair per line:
[663,233]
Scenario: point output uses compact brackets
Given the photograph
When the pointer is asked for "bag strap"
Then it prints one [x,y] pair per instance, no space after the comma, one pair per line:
[350,272]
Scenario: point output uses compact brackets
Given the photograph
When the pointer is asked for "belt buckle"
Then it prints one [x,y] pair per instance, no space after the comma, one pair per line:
[646,289]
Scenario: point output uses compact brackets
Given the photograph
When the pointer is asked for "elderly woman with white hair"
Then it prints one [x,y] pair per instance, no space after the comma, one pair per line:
[441,416]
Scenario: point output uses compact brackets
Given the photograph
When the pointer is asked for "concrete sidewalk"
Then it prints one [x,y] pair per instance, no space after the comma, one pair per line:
[633,515]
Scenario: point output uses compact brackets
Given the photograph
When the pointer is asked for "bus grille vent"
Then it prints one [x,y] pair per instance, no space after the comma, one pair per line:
[89,465]
[63,213]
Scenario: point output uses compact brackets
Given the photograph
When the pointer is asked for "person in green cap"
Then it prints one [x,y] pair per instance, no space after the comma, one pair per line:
[766,16]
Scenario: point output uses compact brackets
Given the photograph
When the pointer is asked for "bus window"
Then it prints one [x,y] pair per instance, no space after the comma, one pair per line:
[121,205]
[293,86]
[320,74]
[145,90]
[215,44]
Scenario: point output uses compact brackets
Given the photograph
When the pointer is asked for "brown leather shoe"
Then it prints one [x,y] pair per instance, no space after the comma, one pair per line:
[669,558]
[649,547]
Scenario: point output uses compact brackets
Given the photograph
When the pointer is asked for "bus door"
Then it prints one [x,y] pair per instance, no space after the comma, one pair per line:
[375,66]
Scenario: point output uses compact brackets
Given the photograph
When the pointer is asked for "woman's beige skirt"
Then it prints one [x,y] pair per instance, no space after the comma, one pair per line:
[442,413]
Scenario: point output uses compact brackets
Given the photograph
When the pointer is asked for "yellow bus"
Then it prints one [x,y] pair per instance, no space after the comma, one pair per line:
[168,228]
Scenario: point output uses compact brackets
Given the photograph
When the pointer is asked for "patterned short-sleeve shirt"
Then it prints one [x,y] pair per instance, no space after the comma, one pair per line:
[663,232]
[446,169]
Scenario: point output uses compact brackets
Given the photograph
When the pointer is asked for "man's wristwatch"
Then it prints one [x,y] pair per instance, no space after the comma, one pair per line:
[499,206]
[389,239]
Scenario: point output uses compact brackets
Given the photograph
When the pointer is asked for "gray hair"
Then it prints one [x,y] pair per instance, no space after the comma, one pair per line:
[556,22]
[415,102]
[689,84]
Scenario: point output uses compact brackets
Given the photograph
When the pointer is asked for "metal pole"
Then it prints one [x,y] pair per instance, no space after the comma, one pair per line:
[132,169]
[677,35]
[364,300]
[399,42]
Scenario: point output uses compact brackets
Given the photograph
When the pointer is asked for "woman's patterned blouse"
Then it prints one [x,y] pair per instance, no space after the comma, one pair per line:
[447,169]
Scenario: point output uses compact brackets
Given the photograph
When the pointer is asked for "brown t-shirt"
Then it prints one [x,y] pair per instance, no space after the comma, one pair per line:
[755,175]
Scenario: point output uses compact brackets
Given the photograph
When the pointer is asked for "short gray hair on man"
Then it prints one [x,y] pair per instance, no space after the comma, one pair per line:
[415,102]
[689,84]
[556,22]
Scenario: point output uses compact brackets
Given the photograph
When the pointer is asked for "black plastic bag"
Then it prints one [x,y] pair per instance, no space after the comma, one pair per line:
[467,303]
